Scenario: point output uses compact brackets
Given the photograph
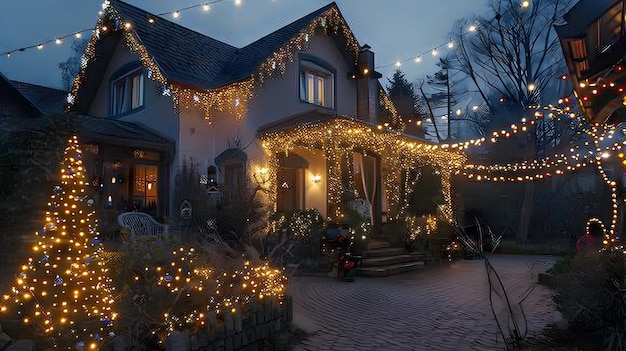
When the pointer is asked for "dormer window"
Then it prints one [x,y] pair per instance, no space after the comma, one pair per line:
[127,92]
[317,83]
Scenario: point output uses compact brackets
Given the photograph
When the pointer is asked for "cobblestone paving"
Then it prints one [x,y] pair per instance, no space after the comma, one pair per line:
[445,307]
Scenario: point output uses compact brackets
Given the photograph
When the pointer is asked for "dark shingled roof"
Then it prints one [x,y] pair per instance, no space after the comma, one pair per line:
[113,131]
[251,56]
[184,56]
[191,58]
[580,16]
[47,100]
[308,117]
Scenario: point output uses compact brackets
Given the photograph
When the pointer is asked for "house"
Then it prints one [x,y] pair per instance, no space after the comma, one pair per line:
[594,44]
[299,112]
[593,40]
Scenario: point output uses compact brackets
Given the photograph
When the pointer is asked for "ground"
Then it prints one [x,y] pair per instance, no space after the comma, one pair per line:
[446,307]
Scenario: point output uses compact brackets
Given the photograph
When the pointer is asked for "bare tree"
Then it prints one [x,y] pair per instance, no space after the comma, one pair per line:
[513,53]
[71,66]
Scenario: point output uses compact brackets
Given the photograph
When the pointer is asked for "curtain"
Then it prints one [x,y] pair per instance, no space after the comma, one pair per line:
[369,177]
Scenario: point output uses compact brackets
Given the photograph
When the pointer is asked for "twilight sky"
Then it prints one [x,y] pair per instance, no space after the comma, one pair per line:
[397,30]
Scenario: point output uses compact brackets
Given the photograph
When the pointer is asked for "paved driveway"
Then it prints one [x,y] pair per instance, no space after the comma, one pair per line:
[445,307]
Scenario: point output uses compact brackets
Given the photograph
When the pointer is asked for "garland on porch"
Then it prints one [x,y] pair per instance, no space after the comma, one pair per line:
[334,138]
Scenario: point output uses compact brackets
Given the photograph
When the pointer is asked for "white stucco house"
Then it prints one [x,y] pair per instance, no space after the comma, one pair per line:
[301,108]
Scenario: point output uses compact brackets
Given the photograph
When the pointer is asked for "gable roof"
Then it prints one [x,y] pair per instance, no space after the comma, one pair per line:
[35,100]
[190,58]
[184,56]
[46,100]
[250,57]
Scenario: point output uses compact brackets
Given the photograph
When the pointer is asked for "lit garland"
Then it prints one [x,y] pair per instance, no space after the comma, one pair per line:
[232,98]
[612,238]
[336,137]
[387,105]
[64,290]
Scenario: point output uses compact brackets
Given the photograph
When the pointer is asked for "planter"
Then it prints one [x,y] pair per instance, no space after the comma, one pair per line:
[545,278]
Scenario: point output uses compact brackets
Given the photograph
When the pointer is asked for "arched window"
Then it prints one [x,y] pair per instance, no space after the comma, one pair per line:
[317,81]
[232,165]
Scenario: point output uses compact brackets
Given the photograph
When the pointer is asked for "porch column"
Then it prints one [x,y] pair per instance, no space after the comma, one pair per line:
[333,155]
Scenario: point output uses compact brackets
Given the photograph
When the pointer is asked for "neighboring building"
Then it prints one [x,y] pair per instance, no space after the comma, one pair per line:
[593,39]
[594,44]
[300,111]
[24,105]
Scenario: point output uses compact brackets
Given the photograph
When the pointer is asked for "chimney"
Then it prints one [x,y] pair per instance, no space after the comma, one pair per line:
[367,86]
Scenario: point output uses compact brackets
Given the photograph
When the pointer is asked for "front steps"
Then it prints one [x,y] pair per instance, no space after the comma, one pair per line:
[382,260]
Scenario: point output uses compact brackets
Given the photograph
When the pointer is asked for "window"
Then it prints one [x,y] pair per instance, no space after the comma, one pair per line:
[232,166]
[317,84]
[145,187]
[127,92]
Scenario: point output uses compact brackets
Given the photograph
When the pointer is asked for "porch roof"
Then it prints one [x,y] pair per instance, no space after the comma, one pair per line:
[115,132]
[317,115]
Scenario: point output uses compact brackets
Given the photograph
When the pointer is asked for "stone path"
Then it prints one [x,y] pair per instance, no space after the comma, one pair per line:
[446,307]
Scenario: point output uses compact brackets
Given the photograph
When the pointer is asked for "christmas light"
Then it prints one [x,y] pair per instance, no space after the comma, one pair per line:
[337,139]
[66,268]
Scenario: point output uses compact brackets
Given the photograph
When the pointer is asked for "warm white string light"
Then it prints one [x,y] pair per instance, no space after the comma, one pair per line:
[434,51]
[176,14]
[206,7]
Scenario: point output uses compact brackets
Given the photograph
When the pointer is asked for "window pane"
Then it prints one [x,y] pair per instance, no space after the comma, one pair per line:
[320,91]
[118,97]
[127,93]
[310,91]
[140,180]
[145,188]
[137,91]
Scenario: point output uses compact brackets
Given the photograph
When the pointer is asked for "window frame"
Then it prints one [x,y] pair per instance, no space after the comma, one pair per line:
[131,85]
[317,82]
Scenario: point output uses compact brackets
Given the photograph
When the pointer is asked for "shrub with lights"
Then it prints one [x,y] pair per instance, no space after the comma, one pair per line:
[63,294]
[166,286]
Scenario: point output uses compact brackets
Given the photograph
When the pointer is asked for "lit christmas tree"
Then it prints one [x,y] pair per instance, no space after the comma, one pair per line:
[63,292]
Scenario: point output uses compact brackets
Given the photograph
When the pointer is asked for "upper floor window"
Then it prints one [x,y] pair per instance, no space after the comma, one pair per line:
[127,92]
[317,83]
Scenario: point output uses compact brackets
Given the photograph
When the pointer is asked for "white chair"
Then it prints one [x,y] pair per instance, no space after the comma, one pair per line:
[142,224]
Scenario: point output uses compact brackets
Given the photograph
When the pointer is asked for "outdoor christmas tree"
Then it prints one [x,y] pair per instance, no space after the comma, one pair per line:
[63,293]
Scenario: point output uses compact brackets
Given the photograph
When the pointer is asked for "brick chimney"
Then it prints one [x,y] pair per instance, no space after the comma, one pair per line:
[367,86]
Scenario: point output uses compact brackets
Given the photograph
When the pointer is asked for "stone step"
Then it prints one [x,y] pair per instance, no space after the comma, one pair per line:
[386,260]
[377,244]
[385,271]
[385,251]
